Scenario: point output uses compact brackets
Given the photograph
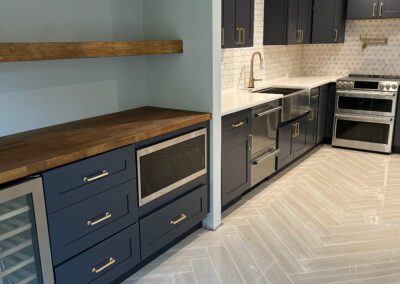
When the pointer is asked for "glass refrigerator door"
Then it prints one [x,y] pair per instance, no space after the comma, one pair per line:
[22,259]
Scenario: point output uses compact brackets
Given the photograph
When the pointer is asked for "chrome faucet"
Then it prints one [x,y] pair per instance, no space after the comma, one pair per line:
[251,79]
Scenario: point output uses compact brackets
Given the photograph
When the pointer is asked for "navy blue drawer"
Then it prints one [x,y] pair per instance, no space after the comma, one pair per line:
[170,222]
[89,222]
[70,184]
[236,125]
[105,262]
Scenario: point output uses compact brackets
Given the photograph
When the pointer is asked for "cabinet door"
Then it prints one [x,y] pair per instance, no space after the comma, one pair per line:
[228,23]
[312,122]
[389,8]
[339,21]
[235,164]
[244,22]
[275,22]
[304,20]
[299,146]
[362,9]
[235,170]
[322,113]
[323,21]
[285,136]
[293,31]
[330,111]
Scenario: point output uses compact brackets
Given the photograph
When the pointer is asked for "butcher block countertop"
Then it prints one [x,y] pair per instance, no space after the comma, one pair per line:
[39,150]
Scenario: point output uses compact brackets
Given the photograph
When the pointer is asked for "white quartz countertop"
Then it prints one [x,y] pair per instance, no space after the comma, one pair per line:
[234,100]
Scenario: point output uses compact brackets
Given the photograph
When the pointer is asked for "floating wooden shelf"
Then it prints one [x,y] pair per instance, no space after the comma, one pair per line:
[13,52]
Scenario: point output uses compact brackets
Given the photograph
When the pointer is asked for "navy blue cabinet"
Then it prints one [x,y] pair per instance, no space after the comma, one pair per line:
[287,22]
[285,135]
[237,23]
[389,9]
[165,225]
[98,232]
[373,9]
[292,141]
[80,226]
[299,142]
[104,262]
[313,117]
[329,21]
[330,111]
[75,182]
[322,113]
[235,155]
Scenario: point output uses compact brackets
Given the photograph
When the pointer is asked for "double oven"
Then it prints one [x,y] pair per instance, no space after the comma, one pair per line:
[365,112]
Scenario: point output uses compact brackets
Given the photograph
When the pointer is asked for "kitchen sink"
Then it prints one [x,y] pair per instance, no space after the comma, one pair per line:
[283,91]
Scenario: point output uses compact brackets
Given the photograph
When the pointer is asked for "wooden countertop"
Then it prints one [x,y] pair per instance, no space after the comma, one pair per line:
[39,150]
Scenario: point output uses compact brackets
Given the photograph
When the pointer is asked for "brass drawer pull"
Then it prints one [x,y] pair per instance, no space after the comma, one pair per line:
[177,220]
[96,177]
[237,125]
[106,217]
[110,262]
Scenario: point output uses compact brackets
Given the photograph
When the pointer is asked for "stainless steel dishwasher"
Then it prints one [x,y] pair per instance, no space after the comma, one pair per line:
[264,124]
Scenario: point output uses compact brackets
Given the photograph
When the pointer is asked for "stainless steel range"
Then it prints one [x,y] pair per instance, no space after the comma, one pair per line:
[365,112]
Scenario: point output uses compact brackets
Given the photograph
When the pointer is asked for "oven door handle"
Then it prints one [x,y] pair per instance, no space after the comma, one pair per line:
[389,120]
[267,156]
[365,94]
[264,113]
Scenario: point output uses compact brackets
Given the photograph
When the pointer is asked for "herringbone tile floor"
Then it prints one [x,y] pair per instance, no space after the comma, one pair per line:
[333,217]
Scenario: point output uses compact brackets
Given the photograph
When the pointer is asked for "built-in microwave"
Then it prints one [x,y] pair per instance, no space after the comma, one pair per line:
[166,166]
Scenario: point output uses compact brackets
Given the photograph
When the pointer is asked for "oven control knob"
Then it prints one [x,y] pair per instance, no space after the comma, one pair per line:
[388,87]
[394,87]
[381,87]
[339,84]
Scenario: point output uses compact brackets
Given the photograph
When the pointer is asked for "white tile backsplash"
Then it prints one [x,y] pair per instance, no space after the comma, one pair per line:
[323,59]
[315,59]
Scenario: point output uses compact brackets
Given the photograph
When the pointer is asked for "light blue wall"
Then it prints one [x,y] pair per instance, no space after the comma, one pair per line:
[190,80]
[185,80]
[38,94]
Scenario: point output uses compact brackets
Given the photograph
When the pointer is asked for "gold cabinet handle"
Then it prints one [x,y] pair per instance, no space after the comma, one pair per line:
[243,36]
[298,129]
[335,39]
[298,36]
[178,219]
[238,35]
[374,10]
[96,177]
[93,223]
[223,37]
[237,125]
[302,36]
[381,10]
[110,262]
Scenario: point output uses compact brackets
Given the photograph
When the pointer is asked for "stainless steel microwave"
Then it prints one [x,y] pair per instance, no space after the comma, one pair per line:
[168,165]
